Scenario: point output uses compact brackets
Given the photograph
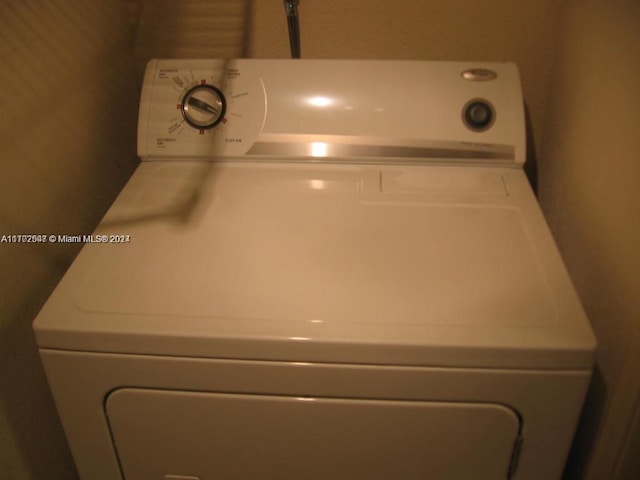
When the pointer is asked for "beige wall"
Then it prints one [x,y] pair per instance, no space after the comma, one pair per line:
[188,29]
[589,173]
[67,132]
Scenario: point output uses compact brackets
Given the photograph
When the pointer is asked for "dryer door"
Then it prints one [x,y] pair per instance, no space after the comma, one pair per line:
[210,436]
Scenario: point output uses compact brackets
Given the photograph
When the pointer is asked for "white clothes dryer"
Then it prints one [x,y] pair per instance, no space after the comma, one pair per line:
[323,270]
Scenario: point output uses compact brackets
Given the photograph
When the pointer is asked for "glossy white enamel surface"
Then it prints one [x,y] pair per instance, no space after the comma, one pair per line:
[336,109]
[416,265]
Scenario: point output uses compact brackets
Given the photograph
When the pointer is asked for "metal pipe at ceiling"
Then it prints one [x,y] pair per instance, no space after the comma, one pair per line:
[291,9]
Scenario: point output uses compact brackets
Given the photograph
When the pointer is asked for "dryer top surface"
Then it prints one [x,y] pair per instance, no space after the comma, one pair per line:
[414,265]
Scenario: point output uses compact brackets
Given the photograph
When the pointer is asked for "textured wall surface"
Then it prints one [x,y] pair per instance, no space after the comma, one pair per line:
[67,133]
[188,29]
[589,171]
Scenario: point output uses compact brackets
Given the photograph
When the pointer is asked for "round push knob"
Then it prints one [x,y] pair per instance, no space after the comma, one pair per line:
[478,115]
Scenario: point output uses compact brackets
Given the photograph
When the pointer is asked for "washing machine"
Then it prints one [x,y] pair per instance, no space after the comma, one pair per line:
[321,269]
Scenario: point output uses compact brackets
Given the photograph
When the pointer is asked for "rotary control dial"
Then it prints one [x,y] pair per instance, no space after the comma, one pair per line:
[203,106]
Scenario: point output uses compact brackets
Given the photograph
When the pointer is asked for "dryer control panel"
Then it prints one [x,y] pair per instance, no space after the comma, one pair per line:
[332,110]
[198,108]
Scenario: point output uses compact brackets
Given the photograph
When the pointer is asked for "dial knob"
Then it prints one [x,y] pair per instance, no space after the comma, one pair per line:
[203,106]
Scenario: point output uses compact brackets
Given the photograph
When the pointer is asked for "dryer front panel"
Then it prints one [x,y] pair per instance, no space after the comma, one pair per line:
[166,434]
